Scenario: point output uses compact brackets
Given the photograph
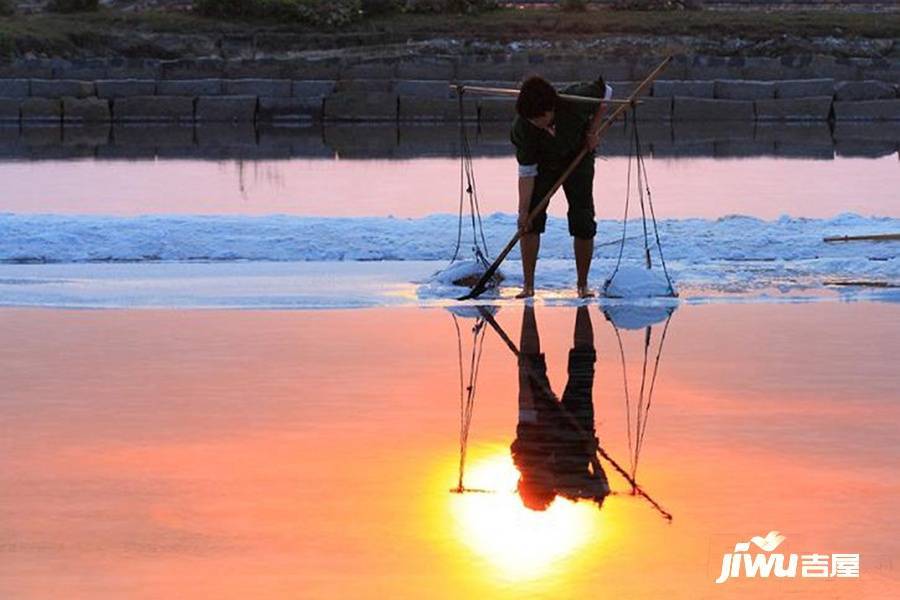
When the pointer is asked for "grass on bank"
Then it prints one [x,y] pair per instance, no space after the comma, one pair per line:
[57,34]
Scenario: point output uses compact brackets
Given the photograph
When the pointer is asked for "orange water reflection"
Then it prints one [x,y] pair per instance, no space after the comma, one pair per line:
[310,454]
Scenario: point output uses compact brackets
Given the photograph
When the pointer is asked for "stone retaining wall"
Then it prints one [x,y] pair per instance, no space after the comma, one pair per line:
[379,99]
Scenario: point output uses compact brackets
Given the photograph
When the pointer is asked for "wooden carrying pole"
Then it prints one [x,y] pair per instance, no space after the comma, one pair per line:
[597,126]
[493,91]
[875,237]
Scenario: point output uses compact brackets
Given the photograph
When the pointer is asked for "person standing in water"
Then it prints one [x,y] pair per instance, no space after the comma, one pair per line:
[556,440]
[548,132]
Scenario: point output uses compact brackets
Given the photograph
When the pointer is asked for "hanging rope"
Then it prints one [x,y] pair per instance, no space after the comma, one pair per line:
[645,198]
[468,190]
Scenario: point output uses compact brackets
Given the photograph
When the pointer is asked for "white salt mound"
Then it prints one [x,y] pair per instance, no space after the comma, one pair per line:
[462,273]
[466,311]
[629,316]
[458,271]
[638,282]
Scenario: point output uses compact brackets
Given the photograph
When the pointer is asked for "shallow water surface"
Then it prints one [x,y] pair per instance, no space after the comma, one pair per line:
[235,454]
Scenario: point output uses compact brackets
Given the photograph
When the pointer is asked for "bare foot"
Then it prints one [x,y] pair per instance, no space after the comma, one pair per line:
[527,292]
[585,292]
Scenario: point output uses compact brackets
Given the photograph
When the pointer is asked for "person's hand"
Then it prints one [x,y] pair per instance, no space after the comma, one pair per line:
[522,223]
[592,140]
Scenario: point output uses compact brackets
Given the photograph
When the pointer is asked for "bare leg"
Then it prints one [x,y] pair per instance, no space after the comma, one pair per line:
[584,331]
[584,252]
[529,245]
[530,340]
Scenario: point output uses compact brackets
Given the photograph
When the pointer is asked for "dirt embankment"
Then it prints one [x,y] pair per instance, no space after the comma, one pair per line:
[604,33]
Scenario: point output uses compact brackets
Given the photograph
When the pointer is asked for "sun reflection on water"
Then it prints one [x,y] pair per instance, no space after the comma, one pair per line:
[519,542]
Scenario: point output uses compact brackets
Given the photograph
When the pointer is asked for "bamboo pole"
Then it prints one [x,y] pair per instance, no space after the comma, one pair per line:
[597,126]
[875,237]
[477,89]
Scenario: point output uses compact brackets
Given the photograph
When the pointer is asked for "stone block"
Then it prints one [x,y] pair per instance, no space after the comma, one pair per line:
[361,106]
[153,109]
[763,68]
[802,139]
[590,70]
[277,109]
[496,109]
[833,68]
[346,141]
[863,90]
[14,88]
[37,134]
[868,110]
[867,130]
[192,68]
[703,109]
[189,87]
[58,88]
[152,135]
[424,88]
[418,108]
[714,67]
[794,109]
[91,135]
[426,68]
[558,70]
[86,110]
[24,68]
[226,108]
[481,70]
[41,109]
[743,90]
[654,109]
[362,86]
[272,88]
[743,148]
[804,88]
[124,88]
[312,88]
[369,70]
[316,69]
[9,109]
[685,89]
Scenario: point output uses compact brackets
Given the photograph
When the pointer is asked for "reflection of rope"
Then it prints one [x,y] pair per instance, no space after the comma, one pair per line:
[467,188]
[642,183]
[467,393]
[662,340]
[642,412]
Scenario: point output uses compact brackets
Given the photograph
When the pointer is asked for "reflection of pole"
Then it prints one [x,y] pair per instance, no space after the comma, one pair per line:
[590,440]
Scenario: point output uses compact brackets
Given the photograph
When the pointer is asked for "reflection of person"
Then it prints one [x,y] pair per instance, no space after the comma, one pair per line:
[555,446]
[548,133]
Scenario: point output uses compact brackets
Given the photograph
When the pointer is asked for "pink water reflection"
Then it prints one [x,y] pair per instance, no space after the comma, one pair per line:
[765,187]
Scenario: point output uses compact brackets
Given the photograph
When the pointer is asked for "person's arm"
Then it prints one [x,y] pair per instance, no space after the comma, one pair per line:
[527,157]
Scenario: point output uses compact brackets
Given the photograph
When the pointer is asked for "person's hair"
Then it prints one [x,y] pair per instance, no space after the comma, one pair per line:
[536,97]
